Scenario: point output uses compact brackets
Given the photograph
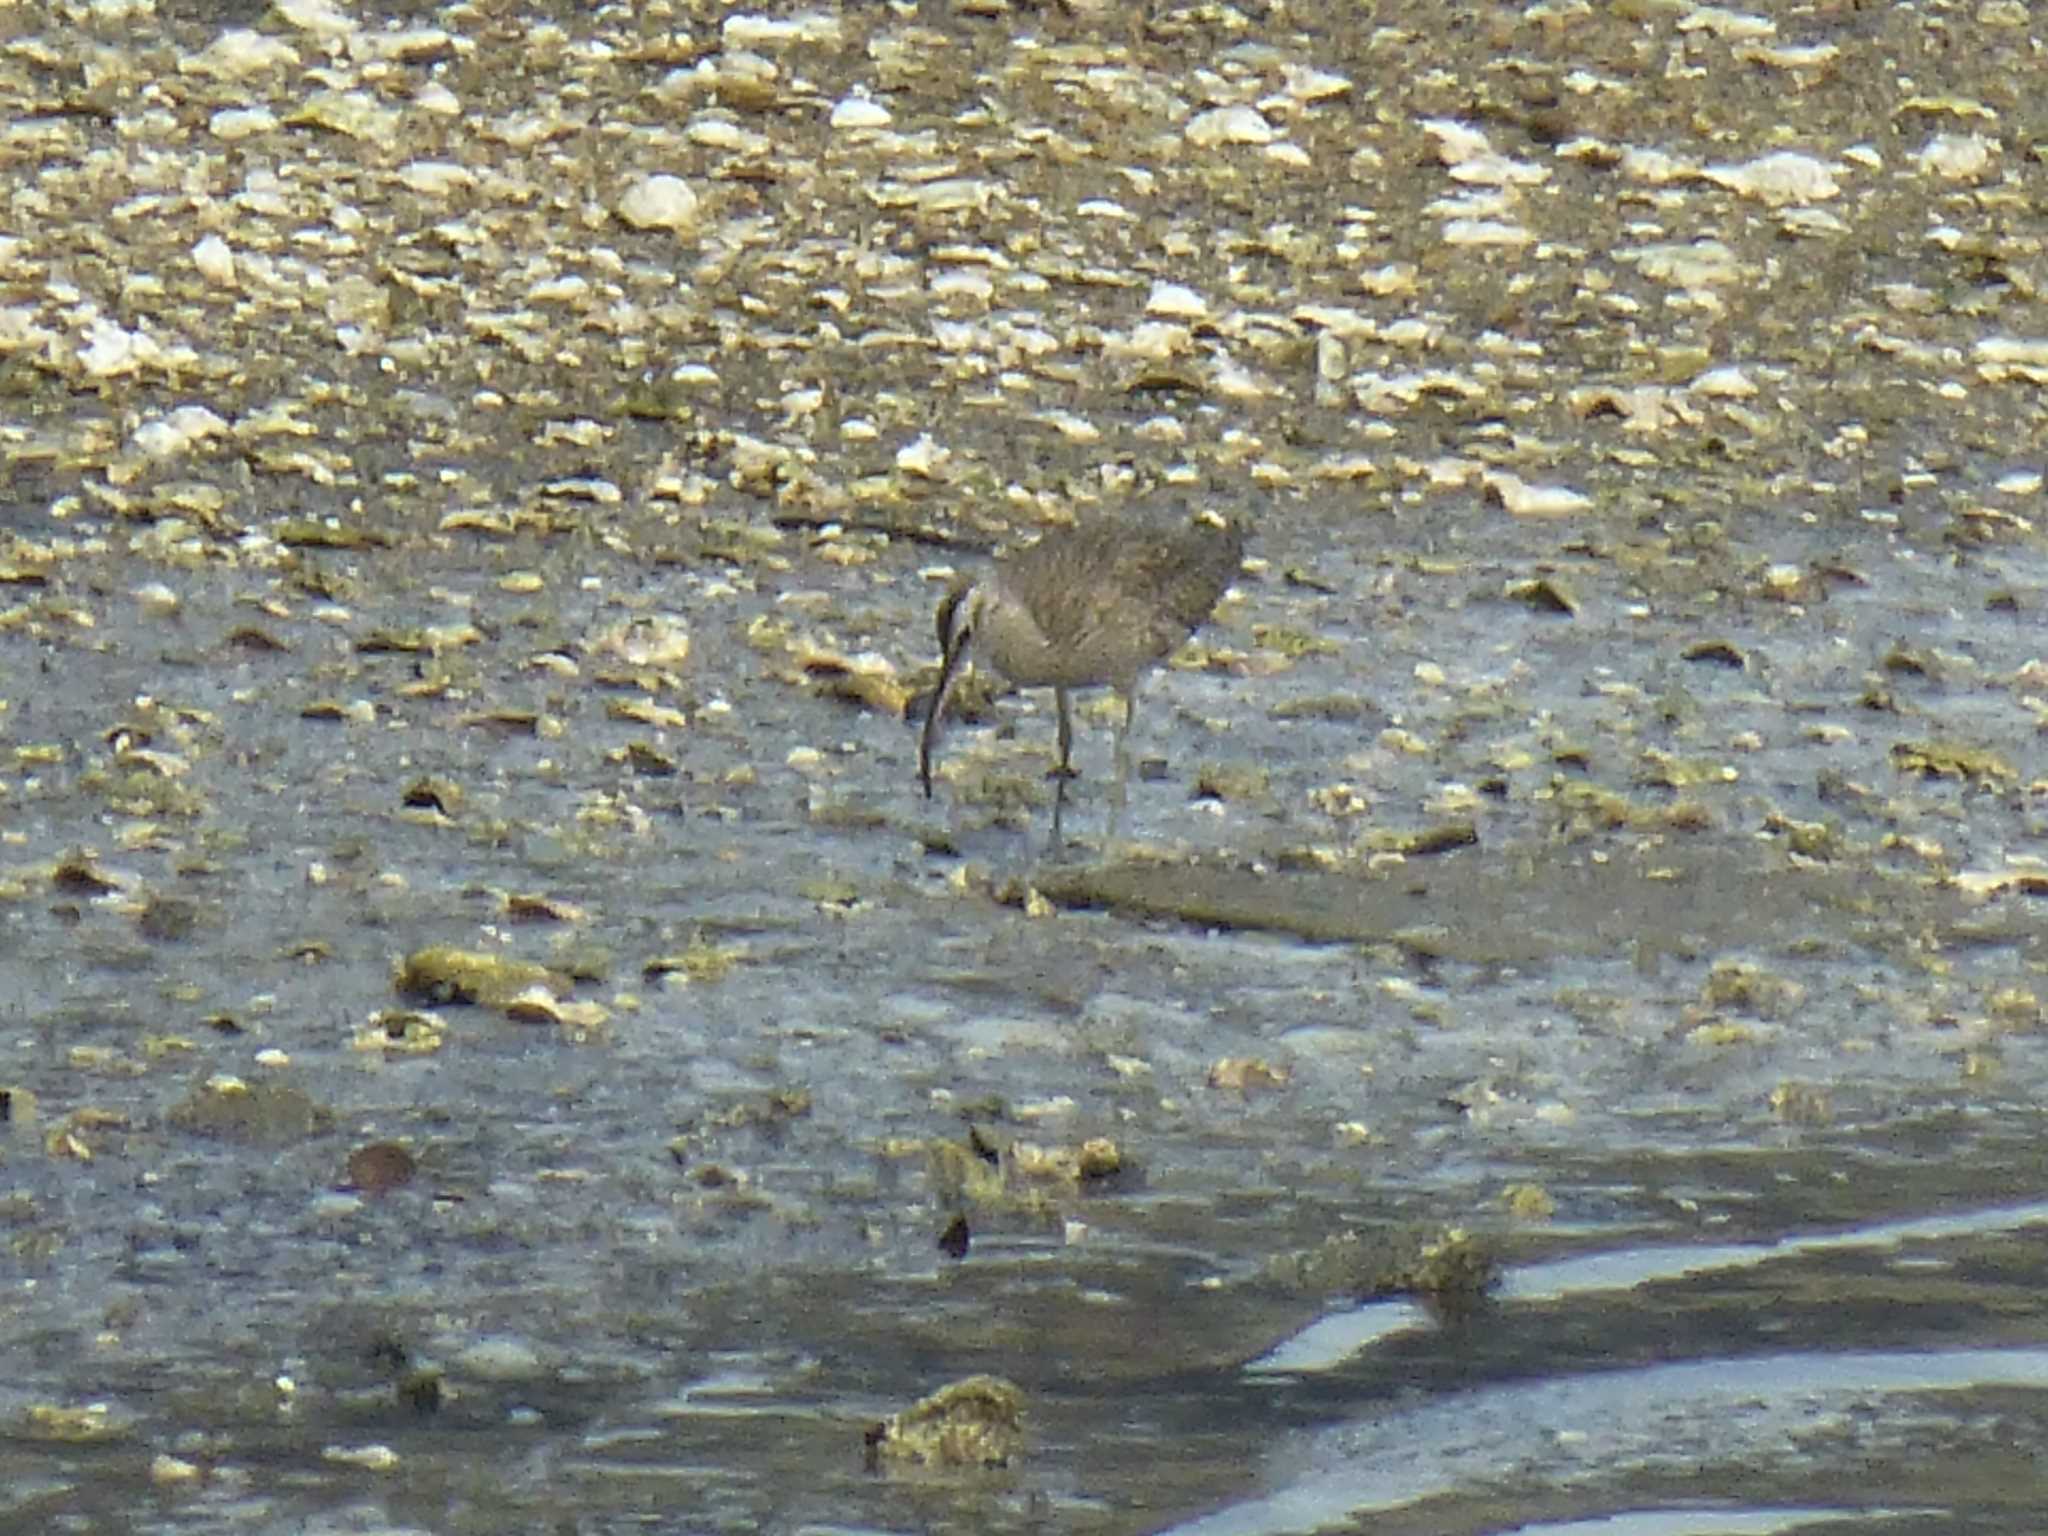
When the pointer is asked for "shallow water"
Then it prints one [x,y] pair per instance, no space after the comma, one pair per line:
[1647,889]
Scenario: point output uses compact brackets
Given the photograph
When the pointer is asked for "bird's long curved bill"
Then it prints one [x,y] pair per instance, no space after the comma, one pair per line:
[949,678]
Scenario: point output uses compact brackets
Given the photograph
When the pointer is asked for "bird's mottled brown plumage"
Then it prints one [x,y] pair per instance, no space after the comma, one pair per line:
[1094,606]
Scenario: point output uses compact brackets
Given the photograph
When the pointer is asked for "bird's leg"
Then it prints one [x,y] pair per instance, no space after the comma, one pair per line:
[1118,793]
[1065,770]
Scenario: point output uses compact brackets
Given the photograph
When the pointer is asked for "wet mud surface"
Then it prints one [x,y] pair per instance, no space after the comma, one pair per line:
[497,1038]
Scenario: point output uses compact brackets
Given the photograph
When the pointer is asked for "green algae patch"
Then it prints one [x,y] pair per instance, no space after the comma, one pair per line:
[401,1032]
[1242,783]
[1736,986]
[379,1167]
[1030,1179]
[1952,760]
[1446,1268]
[698,961]
[1331,707]
[1429,841]
[445,974]
[259,1113]
[64,1424]
[975,1422]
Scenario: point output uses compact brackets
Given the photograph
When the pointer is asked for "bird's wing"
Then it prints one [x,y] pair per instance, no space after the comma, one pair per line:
[1131,590]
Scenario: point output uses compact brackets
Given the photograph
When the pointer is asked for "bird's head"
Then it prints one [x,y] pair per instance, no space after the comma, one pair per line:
[959,617]
[959,614]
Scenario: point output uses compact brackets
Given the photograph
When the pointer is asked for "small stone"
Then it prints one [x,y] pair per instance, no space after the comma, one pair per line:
[215,259]
[658,202]
[1230,125]
[853,112]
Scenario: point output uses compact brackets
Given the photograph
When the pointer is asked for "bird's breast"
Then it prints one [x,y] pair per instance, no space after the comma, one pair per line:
[1087,654]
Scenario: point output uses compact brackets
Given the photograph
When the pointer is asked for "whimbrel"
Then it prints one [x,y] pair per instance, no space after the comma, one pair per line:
[1089,607]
